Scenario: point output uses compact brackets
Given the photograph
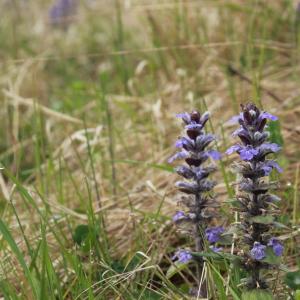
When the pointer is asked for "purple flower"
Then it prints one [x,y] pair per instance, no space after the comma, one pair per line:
[188,187]
[235,119]
[179,155]
[180,215]
[258,251]
[185,117]
[272,198]
[202,173]
[232,149]
[237,131]
[213,234]
[202,141]
[248,153]
[183,256]
[61,10]
[185,172]
[215,249]
[194,126]
[269,165]
[185,143]
[204,118]
[276,245]
[214,154]
[269,147]
[266,115]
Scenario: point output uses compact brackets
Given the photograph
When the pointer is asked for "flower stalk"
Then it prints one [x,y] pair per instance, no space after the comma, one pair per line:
[195,172]
[256,206]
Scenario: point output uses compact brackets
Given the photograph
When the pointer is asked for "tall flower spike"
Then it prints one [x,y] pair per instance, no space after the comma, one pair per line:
[193,149]
[256,205]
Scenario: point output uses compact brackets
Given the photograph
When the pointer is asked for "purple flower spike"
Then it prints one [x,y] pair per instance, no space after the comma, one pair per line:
[213,234]
[193,149]
[183,256]
[180,215]
[258,251]
[276,245]
[254,200]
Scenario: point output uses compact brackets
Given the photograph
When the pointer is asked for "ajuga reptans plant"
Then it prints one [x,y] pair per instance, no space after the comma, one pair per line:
[196,185]
[256,205]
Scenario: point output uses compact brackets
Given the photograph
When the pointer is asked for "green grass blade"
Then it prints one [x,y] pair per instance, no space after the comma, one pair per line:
[10,240]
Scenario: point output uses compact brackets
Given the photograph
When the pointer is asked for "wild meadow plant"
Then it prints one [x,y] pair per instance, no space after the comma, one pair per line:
[199,201]
[257,248]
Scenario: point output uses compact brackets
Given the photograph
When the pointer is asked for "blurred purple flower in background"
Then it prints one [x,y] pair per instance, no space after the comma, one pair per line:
[61,11]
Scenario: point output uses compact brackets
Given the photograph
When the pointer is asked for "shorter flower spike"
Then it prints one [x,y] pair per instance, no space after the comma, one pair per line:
[258,251]
[193,148]
[213,234]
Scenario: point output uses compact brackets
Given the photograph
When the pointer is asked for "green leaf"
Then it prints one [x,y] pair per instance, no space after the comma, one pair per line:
[175,268]
[280,225]
[297,295]
[11,242]
[81,233]
[292,279]
[219,255]
[234,203]
[233,293]
[149,295]
[271,258]
[275,132]
[262,219]
[225,239]
[257,294]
